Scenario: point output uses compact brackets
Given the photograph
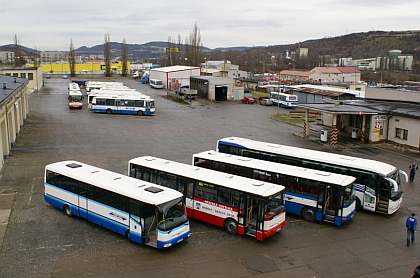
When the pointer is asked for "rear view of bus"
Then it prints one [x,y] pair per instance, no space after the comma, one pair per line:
[145,213]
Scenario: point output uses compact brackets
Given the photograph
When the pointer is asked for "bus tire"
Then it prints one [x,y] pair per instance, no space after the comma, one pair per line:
[139,113]
[109,111]
[127,235]
[308,214]
[231,226]
[67,210]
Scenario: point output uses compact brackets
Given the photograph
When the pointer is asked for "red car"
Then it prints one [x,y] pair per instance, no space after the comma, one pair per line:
[248,100]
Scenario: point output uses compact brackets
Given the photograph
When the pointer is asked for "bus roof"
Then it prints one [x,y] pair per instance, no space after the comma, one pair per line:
[74,87]
[264,189]
[75,93]
[343,160]
[123,96]
[124,185]
[273,167]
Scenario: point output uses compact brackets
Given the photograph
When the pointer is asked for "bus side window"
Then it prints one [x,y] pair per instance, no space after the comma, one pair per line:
[234,198]
[223,196]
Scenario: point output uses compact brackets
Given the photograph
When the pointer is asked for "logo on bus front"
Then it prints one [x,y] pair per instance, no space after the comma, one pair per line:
[197,205]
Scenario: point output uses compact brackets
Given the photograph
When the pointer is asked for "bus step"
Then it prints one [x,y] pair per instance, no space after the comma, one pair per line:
[329,218]
[250,232]
[329,212]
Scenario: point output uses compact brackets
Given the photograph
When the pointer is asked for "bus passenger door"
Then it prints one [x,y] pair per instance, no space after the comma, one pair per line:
[369,199]
[147,106]
[135,232]
[84,194]
[118,106]
[243,214]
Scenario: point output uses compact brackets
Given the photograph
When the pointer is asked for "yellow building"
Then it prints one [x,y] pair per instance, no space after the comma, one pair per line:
[84,68]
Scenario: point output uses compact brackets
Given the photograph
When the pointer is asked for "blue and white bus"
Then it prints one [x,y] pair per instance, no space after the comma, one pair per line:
[312,194]
[156,84]
[284,100]
[123,104]
[378,184]
[91,85]
[145,213]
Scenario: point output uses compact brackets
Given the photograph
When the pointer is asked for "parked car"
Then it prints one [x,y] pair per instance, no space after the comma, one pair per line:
[266,102]
[416,272]
[248,100]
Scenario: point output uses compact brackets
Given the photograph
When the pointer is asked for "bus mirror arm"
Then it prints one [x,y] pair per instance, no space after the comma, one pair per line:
[404,174]
[394,184]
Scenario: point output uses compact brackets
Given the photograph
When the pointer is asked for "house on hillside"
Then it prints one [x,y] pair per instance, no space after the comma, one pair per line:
[336,74]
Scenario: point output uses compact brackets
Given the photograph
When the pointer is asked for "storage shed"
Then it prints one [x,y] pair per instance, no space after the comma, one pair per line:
[175,76]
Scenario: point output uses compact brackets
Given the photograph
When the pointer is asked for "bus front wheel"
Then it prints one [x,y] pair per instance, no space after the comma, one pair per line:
[308,214]
[109,111]
[139,113]
[67,210]
[231,226]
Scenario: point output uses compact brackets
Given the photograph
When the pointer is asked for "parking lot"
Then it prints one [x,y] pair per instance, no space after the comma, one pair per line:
[40,241]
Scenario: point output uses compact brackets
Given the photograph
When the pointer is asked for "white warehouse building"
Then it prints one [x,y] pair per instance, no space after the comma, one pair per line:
[175,76]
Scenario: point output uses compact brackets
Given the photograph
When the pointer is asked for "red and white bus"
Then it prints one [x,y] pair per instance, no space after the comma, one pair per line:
[240,205]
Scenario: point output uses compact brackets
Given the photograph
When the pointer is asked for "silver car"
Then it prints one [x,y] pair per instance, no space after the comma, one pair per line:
[266,102]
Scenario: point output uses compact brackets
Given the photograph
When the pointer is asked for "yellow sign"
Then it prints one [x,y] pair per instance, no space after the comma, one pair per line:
[172,50]
[376,135]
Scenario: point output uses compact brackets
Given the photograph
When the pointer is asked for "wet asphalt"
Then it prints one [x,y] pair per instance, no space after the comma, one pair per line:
[40,241]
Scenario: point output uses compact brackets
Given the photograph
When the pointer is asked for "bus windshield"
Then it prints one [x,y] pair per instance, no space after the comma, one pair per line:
[172,214]
[395,193]
[275,204]
[349,195]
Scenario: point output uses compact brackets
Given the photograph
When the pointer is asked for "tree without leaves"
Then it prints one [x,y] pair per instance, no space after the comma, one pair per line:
[107,55]
[124,58]
[72,60]
[193,47]
[18,58]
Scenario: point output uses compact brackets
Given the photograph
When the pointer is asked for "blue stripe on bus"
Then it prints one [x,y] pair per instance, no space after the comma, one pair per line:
[359,187]
[92,216]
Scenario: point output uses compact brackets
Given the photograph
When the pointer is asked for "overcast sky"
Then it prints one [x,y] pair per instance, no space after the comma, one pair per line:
[51,25]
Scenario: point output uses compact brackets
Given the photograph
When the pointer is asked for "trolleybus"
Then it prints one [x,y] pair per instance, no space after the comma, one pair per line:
[284,100]
[240,205]
[378,184]
[145,213]
[312,194]
[123,104]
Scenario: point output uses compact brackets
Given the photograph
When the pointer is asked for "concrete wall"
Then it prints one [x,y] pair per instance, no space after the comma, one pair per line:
[409,124]
[13,114]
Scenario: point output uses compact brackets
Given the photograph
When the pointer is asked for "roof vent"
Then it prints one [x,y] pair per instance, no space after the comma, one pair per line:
[154,189]
[74,165]
[4,85]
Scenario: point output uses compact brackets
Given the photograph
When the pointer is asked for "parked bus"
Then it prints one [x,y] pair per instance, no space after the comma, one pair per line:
[378,185]
[91,85]
[123,104]
[75,100]
[145,213]
[156,84]
[118,92]
[239,205]
[284,100]
[312,194]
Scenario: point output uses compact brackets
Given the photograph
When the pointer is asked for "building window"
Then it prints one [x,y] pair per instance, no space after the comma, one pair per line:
[401,133]
[30,76]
